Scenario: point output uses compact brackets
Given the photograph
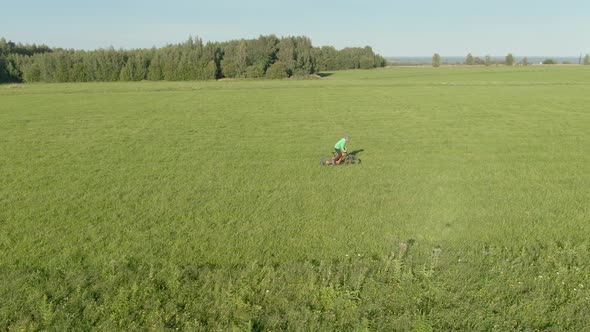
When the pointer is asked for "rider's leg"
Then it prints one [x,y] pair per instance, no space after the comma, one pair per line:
[337,156]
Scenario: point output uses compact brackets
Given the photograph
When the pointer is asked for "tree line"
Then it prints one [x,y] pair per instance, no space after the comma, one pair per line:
[264,57]
[509,60]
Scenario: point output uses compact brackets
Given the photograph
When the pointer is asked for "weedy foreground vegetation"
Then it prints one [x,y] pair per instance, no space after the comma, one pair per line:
[201,205]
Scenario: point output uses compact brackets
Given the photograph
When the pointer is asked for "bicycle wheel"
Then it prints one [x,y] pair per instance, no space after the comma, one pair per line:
[325,160]
[352,159]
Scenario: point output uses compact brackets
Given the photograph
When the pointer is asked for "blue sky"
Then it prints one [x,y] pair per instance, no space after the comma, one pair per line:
[392,28]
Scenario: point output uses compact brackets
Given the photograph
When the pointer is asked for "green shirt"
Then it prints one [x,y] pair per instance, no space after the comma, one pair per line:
[341,145]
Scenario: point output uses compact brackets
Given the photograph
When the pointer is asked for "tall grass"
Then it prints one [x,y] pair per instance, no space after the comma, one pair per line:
[201,205]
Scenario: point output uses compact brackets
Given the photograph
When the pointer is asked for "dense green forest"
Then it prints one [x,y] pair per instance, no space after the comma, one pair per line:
[267,56]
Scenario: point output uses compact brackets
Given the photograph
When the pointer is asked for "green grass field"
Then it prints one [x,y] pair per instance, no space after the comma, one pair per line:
[202,205]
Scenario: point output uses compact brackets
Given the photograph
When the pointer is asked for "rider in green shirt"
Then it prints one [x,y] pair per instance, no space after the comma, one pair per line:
[340,148]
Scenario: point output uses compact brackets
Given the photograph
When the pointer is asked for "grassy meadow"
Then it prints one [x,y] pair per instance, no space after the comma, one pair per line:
[202,205]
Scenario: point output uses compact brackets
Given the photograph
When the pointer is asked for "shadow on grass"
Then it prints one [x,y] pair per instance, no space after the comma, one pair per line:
[322,75]
[356,152]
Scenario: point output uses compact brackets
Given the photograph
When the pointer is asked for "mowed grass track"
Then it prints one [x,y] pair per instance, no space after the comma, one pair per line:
[202,205]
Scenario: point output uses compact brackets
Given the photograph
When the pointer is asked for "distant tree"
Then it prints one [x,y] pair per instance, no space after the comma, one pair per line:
[327,58]
[78,71]
[210,71]
[549,62]
[367,62]
[509,59]
[107,64]
[188,67]
[469,60]
[488,60]
[3,46]
[262,51]
[137,67]
[367,58]
[436,60]
[277,70]
[124,75]
[304,63]
[287,54]
[478,61]
[212,55]
[525,61]
[3,72]
[155,69]
[347,59]
[9,47]
[380,61]
[241,58]
[587,60]
[32,72]
[12,69]
[229,69]
[171,59]
[255,71]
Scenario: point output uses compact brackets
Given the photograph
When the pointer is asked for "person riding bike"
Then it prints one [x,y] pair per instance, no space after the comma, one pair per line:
[340,148]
